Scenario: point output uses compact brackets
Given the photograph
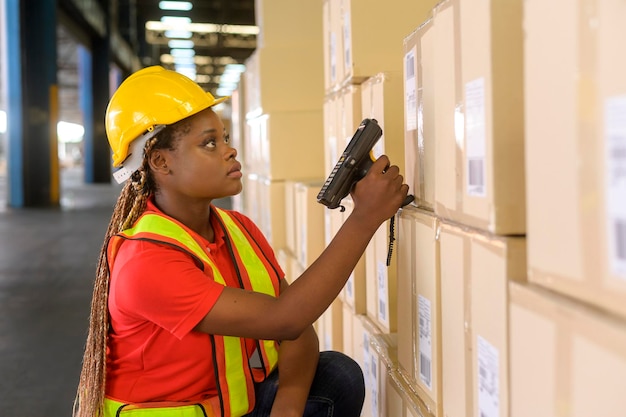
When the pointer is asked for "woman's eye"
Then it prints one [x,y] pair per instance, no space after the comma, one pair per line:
[226,138]
[210,143]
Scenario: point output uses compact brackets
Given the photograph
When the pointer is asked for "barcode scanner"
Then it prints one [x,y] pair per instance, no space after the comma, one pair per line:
[353,165]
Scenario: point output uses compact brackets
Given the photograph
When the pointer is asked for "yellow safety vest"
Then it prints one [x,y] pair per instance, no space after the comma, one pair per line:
[233,374]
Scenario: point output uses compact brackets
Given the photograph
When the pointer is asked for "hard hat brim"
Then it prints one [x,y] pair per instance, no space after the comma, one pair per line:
[217,100]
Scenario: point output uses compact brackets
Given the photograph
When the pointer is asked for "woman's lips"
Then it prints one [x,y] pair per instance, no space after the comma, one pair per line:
[235,171]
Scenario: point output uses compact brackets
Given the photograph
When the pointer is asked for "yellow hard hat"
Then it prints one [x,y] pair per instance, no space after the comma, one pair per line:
[151,97]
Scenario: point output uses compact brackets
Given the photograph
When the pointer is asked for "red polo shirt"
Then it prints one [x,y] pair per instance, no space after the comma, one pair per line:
[157,296]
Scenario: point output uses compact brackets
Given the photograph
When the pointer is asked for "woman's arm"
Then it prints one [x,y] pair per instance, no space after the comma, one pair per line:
[297,363]
[237,312]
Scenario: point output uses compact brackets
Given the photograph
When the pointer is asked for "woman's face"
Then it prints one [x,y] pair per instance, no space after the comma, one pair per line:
[202,164]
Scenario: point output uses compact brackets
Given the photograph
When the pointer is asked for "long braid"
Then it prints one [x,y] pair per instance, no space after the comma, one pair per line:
[129,206]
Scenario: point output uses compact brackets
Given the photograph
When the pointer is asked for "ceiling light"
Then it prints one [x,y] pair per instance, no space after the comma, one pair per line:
[235,68]
[182,52]
[175,5]
[223,92]
[180,34]
[186,71]
[184,60]
[229,77]
[180,43]
[184,23]
[176,22]
[241,29]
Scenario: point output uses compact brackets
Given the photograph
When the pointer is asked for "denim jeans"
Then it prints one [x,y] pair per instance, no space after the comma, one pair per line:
[338,389]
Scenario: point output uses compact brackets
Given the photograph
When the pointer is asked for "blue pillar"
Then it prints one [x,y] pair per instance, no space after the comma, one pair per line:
[93,73]
[13,83]
[32,111]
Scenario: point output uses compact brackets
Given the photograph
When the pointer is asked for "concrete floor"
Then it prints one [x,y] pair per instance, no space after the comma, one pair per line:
[47,267]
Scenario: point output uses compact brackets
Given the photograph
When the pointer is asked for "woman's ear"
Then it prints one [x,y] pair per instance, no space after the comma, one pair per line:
[158,162]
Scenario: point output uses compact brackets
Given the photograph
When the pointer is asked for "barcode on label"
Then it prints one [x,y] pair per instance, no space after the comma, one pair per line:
[410,67]
[382,310]
[425,369]
[476,176]
[424,328]
[620,239]
[617,153]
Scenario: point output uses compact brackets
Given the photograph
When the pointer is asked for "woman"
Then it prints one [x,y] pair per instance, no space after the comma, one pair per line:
[191,314]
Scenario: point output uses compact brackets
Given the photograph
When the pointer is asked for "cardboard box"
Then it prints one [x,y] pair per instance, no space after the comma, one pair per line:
[393,398]
[479,124]
[381,281]
[310,239]
[285,260]
[455,324]
[264,203]
[566,359]
[367,52]
[354,293]
[287,145]
[495,263]
[350,114]
[271,214]
[290,217]
[575,150]
[333,222]
[332,337]
[419,305]
[405,248]
[379,356]
[379,100]
[296,269]
[283,79]
[348,318]
[476,269]
[331,132]
[250,153]
[333,45]
[248,194]
[402,400]
[419,114]
[361,354]
[303,28]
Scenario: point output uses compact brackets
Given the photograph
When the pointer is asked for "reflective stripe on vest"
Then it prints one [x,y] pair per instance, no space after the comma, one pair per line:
[233,373]
[113,408]
[260,283]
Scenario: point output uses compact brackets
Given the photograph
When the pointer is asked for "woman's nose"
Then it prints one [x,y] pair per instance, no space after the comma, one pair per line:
[231,152]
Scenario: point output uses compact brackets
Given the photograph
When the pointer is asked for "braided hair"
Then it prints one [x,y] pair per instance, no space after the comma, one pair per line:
[131,203]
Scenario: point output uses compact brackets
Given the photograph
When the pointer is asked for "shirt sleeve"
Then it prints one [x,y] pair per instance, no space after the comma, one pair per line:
[163,285]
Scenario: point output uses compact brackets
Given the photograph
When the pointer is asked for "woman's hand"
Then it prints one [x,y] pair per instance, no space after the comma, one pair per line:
[380,194]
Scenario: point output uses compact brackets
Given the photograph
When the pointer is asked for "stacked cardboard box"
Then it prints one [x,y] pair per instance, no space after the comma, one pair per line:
[363,79]
[283,112]
[511,136]
[464,242]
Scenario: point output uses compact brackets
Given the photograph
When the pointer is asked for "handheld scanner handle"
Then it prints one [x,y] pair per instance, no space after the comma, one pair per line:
[366,165]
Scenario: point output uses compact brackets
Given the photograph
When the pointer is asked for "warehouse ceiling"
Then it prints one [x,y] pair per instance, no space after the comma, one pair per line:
[223,33]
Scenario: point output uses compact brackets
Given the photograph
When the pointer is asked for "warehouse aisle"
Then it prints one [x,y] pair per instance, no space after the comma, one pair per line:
[47,267]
